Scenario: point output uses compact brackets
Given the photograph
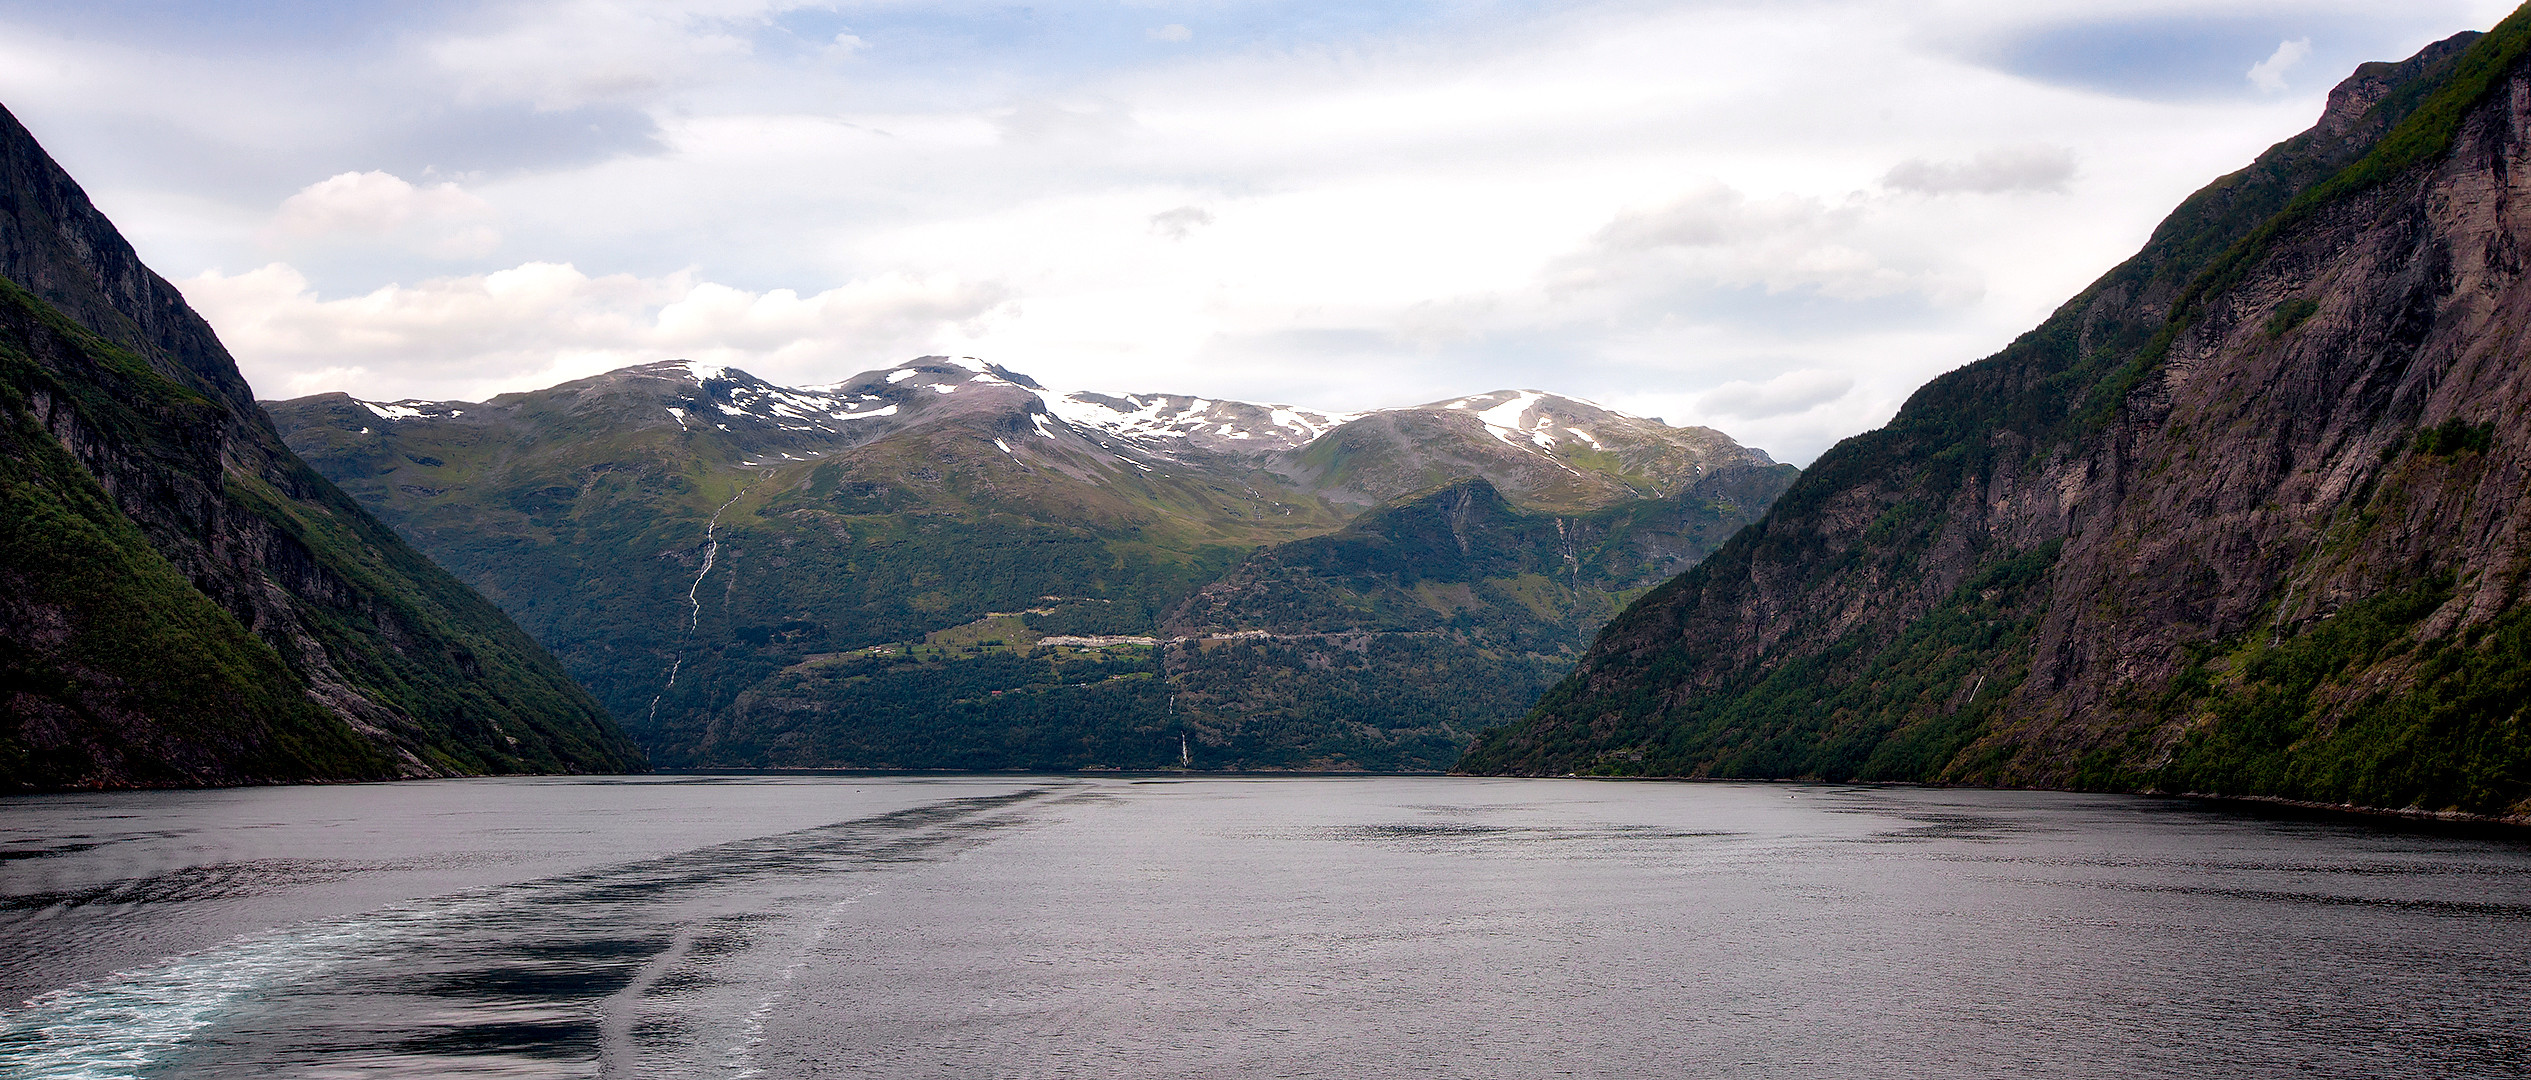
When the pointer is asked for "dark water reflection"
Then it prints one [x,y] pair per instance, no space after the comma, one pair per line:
[1223,927]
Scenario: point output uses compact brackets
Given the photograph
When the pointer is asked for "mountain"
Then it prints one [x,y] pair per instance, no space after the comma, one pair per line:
[2245,517]
[182,600]
[1546,451]
[929,565]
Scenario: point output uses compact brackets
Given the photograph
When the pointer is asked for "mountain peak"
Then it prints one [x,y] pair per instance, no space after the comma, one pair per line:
[1183,421]
[1537,417]
[689,371]
[2357,94]
[940,374]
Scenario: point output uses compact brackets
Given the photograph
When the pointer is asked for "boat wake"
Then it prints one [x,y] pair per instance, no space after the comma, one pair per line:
[663,966]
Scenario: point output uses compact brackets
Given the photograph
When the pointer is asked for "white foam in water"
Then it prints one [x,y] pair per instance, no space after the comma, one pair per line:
[120,1025]
[742,1054]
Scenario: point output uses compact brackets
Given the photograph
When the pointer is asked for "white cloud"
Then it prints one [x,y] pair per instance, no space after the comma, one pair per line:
[580,52]
[2269,74]
[1713,216]
[1785,394]
[1176,224]
[1991,172]
[1173,32]
[539,323]
[1069,122]
[1714,236]
[441,220]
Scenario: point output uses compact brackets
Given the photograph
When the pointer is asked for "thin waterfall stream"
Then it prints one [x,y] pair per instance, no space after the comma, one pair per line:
[694,592]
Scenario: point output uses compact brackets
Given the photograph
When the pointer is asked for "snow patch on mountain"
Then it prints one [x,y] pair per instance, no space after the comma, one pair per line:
[1504,420]
[1538,418]
[1145,418]
[411,409]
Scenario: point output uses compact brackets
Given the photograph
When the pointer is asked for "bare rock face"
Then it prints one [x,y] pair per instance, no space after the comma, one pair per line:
[195,605]
[2247,517]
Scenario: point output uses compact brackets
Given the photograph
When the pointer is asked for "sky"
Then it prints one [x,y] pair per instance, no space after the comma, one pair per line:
[1775,218]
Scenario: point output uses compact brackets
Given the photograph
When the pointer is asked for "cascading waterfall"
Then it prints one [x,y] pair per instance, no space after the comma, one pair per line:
[711,550]
[694,592]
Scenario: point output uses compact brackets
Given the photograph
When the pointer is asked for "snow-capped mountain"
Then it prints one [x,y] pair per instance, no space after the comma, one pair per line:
[1541,448]
[1194,423]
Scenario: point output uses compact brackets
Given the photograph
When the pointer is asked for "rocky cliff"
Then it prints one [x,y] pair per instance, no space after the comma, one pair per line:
[2248,516]
[187,602]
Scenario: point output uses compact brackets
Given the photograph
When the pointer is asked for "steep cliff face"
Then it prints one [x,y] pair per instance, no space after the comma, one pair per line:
[149,494]
[2245,517]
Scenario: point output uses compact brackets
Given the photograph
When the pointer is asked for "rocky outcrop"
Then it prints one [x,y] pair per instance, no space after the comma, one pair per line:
[407,673]
[2246,517]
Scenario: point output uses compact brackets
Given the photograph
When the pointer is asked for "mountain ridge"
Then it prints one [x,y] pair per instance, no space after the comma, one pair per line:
[1156,427]
[716,555]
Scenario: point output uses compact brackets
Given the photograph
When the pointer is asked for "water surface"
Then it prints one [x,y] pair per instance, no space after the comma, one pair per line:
[1062,926]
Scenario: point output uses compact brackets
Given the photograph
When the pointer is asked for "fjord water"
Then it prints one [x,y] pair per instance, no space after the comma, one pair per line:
[1162,927]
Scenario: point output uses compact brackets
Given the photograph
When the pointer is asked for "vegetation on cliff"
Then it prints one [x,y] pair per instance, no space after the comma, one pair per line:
[115,665]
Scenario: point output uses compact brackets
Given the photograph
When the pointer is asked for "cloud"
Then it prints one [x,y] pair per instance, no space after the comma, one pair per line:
[539,323]
[1713,216]
[1715,237]
[2269,74]
[1049,121]
[1178,223]
[583,52]
[1402,195]
[1991,172]
[441,220]
[1785,394]
[1172,33]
